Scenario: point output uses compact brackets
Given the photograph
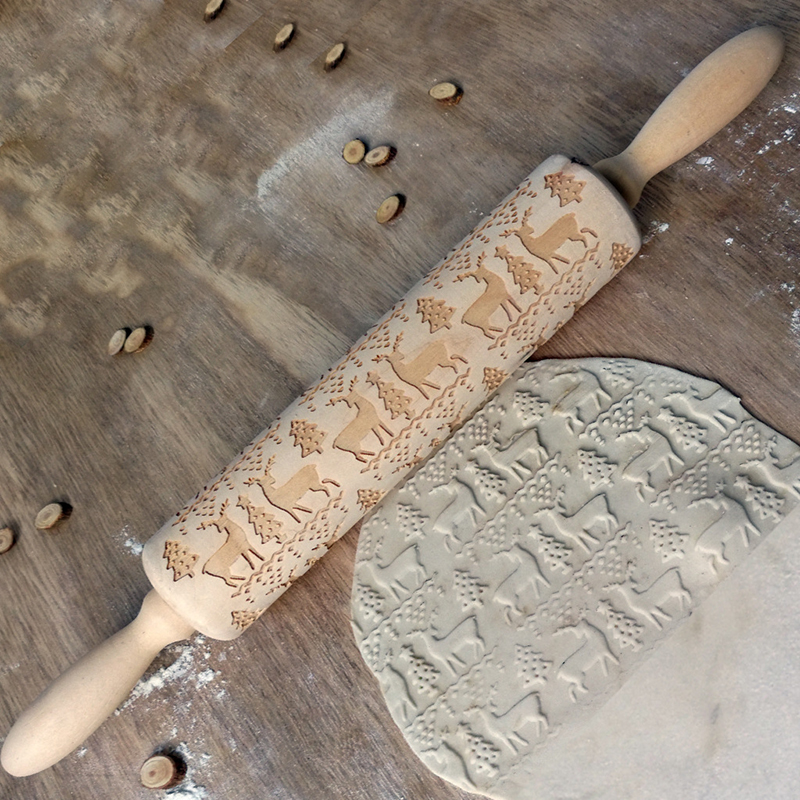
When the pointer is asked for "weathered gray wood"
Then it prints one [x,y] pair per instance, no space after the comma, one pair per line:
[163,171]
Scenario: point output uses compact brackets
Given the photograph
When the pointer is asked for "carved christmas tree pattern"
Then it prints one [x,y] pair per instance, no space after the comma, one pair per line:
[690,486]
[565,186]
[746,441]
[414,611]
[554,552]
[244,619]
[620,371]
[266,525]
[687,434]
[610,564]
[667,540]
[395,400]
[488,481]
[525,274]
[618,419]
[493,377]
[624,630]
[422,673]
[764,502]
[540,491]
[411,520]
[370,601]
[471,687]
[179,559]
[435,312]
[498,536]
[595,468]
[423,730]
[435,472]
[621,254]
[531,666]
[474,430]
[481,752]
[367,498]
[307,436]
[468,589]
[530,407]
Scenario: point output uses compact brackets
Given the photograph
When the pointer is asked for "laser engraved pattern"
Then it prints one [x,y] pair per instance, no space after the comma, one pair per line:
[512,583]
[397,395]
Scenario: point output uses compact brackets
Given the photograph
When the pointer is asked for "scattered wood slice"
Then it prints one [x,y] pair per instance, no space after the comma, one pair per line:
[354,151]
[446,93]
[138,339]
[213,9]
[283,37]
[335,56]
[380,155]
[390,208]
[117,341]
[162,772]
[6,539]
[51,515]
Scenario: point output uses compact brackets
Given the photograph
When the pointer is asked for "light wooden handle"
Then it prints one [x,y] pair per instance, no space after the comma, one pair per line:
[77,703]
[714,92]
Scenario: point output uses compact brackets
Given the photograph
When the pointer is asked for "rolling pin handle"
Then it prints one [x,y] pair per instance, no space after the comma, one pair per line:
[718,89]
[77,703]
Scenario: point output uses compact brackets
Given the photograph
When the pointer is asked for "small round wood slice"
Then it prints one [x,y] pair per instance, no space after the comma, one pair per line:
[6,539]
[283,37]
[117,341]
[354,151]
[446,93]
[51,515]
[518,579]
[138,339]
[390,208]
[162,771]
[379,156]
[213,10]
[335,55]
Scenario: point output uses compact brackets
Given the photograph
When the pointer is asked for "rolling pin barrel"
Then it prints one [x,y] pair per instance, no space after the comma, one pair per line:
[420,372]
[396,395]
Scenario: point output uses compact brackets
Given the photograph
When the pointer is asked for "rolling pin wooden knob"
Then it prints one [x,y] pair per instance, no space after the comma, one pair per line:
[714,92]
[398,393]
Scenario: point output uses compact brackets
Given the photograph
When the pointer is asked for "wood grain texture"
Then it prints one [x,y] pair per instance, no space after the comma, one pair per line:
[157,170]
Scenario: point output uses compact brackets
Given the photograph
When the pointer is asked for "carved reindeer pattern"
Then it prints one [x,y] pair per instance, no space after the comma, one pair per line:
[546,245]
[287,496]
[416,371]
[367,420]
[495,296]
[236,546]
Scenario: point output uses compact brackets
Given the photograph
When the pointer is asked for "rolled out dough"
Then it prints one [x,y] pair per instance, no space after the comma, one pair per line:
[511,595]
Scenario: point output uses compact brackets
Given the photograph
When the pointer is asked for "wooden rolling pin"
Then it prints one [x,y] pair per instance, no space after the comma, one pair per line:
[396,395]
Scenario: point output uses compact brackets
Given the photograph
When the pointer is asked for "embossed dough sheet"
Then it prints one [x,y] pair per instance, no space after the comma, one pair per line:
[351,437]
[467,611]
[711,715]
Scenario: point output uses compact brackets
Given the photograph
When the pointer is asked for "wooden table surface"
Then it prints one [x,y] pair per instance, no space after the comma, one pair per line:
[158,170]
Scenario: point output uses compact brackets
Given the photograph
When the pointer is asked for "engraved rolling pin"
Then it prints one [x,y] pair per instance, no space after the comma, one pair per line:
[397,394]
